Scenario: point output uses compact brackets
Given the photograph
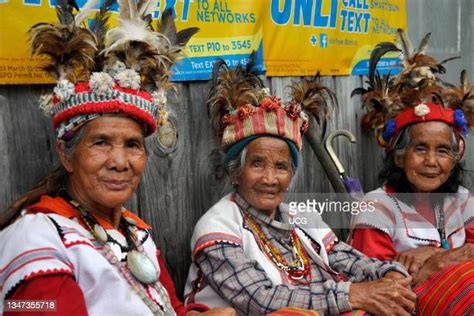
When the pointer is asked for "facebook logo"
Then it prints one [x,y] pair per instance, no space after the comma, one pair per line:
[323,40]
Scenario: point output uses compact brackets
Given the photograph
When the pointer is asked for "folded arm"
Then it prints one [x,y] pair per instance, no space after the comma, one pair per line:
[244,283]
[357,267]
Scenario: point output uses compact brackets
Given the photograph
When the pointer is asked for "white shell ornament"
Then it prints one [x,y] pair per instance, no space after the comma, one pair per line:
[422,110]
[141,267]
[167,135]
[131,221]
[100,232]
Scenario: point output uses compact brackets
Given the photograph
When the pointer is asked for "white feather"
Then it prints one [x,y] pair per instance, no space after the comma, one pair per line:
[90,6]
[124,9]
[131,30]
[132,7]
[147,8]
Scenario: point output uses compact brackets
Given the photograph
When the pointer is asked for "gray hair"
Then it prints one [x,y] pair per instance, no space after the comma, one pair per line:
[404,139]
[70,145]
[235,166]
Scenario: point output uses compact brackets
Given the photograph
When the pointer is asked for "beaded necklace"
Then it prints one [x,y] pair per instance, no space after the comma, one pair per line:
[137,266]
[439,217]
[299,270]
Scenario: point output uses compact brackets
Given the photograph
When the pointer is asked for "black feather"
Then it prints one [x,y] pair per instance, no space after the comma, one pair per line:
[424,44]
[251,63]
[463,78]
[423,83]
[167,26]
[439,68]
[358,91]
[185,35]
[404,42]
[439,98]
[449,59]
[445,83]
[220,63]
[380,50]
[377,105]
[73,4]
[148,19]
[64,12]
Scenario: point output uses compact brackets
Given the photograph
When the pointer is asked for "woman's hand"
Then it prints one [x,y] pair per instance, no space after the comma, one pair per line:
[218,311]
[414,259]
[387,296]
[394,275]
[442,260]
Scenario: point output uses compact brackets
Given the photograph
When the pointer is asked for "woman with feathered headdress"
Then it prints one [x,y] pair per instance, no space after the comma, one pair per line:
[247,252]
[69,242]
[423,218]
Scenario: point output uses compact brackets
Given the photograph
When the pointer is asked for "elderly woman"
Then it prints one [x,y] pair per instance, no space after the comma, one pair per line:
[74,246]
[246,252]
[423,216]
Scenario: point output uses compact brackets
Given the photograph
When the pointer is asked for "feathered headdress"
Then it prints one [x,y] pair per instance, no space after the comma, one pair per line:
[70,48]
[462,98]
[313,98]
[380,98]
[100,70]
[233,91]
[241,109]
[416,94]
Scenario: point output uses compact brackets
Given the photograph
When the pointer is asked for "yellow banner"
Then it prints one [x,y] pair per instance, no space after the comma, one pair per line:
[16,17]
[229,29]
[302,37]
[293,37]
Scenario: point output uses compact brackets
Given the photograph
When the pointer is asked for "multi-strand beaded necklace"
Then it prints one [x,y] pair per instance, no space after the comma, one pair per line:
[298,270]
[137,266]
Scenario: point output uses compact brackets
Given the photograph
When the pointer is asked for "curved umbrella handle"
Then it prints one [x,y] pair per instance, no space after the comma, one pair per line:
[330,150]
[326,162]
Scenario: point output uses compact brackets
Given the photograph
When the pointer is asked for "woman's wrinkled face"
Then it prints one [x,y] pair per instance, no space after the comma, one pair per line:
[266,174]
[107,164]
[428,159]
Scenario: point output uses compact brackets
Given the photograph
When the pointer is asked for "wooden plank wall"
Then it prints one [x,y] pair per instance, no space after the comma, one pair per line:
[177,189]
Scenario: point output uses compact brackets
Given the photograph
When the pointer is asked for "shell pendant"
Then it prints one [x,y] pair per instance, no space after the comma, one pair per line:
[141,267]
[100,233]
